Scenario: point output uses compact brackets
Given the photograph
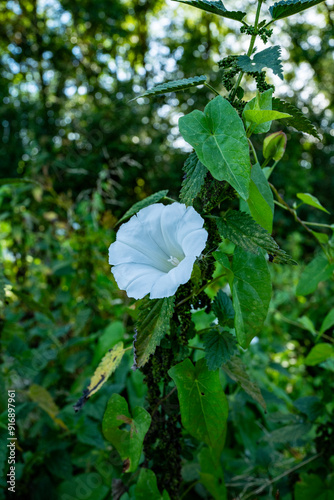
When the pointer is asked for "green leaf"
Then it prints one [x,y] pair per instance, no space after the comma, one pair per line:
[267,58]
[251,292]
[216,7]
[260,101]
[311,487]
[310,406]
[287,8]
[152,324]
[261,200]
[274,146]
[298,120]
[319,353]
[219,345]
[260,116]
[128,443]
[222,307]
[309,199]
[219,139]
[319,269]
[288,433]
[20,180]
[32,304]
[212,475]
[147,487]
[153,198]
[194,177]
[241,229]
[328,322]
[107,366]
[175,86]
[202,400]
[236,370]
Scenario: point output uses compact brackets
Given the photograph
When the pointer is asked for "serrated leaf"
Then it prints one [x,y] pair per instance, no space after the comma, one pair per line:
[219,139]
[287,8]
[267,58]
[260,101]
[150,200]
[107,366]
[216,7]
[319,353]
[261,200]
[152,324]
[203,403]
[319,269]
[174,86]
[298,120]
[219,345]
[222,307]
[251,293]
[311,200]
[241,229]
[195,173]
[129,444]
[236,370]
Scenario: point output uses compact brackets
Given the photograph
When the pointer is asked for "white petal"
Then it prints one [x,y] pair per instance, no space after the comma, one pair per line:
[136,279]
[138,253]
[194,242]
[168,283]
[191,221]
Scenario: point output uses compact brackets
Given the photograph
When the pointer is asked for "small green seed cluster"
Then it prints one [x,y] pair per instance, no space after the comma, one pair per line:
[264,33]
[261,83]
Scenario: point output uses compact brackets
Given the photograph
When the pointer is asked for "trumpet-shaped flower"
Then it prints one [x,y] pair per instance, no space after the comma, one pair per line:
[155,250]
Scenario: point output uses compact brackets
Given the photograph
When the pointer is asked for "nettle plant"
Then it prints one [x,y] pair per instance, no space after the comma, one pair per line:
[169,254]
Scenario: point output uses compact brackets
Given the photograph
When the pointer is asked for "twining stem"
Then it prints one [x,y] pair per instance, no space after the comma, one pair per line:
[253,151]
[250,49]
[318,224]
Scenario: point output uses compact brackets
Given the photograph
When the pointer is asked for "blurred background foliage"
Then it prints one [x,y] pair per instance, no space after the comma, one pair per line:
[68,72]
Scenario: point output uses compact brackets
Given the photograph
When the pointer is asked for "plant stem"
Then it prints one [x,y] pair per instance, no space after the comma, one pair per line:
[253,151]
[211,88]
[318,224]
[250,49]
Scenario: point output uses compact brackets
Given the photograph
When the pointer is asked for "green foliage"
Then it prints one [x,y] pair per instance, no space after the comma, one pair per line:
[150,200]
[262,101]
[328,321]
[220,346]
[267,58]
[260,116]
[194,177]
[212,475]
[287,8]
[311,486]
[128,443]
[222,307]
[202,402]
[298,120]
[261,200]
[311,200]
[251,292]
[319,353]
[319,269]
[216,7]
[219,139]
[147,487]
[175,86]
[153,323]
[241,229]
[236,370]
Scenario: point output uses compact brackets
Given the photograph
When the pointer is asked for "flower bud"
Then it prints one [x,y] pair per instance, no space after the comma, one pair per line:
[274,146]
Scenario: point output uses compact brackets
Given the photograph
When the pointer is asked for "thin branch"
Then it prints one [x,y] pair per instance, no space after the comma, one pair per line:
[162,400]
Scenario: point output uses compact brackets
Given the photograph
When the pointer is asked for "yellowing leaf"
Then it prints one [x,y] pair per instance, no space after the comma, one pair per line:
[107,366]
[43,398]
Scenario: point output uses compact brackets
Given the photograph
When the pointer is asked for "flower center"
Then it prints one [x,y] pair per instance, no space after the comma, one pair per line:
[174,261]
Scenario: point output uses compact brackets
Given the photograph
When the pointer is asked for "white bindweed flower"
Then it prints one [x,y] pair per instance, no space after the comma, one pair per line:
[155,251]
